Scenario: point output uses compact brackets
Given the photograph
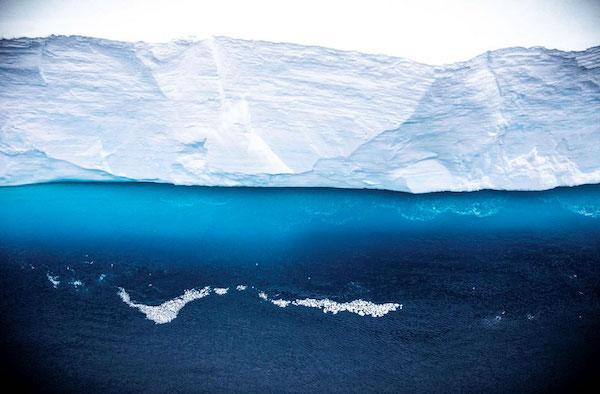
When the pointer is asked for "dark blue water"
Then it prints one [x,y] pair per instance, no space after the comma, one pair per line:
[500,290]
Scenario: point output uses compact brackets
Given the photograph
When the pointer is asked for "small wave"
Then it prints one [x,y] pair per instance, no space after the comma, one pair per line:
[76,283]
[429,211]
[168,310]
[493,321]
[241,287]
[585,210]
[53,279]
[221,291]
[587,206]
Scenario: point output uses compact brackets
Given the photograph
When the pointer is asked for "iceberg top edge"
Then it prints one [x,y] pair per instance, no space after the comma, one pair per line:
[191,41]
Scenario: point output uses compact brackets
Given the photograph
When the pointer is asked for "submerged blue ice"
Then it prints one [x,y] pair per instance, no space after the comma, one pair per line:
[252,219]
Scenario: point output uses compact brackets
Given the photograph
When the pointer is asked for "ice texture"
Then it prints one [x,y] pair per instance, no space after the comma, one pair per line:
[232,112]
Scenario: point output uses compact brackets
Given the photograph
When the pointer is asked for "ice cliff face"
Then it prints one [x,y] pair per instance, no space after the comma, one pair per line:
[233,112]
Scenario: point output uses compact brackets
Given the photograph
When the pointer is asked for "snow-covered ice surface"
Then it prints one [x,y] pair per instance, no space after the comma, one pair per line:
[232,112]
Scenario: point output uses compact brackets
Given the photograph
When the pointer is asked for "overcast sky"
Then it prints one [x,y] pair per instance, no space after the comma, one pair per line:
[430,31]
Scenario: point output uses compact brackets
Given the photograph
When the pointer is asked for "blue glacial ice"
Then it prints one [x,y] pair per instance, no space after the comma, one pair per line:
[232,112]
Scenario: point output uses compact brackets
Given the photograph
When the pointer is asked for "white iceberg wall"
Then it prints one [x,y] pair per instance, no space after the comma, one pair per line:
[513,119]
[234,112]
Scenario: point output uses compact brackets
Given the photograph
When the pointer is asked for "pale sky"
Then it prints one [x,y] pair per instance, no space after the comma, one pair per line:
[429,31]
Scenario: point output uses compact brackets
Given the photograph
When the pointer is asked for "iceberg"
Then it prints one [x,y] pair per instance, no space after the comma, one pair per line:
[232,112]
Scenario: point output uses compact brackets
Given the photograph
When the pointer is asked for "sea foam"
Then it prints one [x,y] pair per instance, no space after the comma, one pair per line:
[53,279]
[168,310]
[360,307]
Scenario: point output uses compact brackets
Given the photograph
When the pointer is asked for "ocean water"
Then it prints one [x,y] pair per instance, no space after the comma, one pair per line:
[494,291]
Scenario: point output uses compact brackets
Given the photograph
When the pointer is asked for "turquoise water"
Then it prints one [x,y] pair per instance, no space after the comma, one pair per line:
[499,290]
[255,217]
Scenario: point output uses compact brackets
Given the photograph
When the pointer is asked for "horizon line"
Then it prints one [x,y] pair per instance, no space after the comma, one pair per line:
[196,39]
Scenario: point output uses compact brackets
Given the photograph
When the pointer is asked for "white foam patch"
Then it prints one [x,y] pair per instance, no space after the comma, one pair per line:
[360,307]
[53,279]
[168,310]
[77,283]
[281,303]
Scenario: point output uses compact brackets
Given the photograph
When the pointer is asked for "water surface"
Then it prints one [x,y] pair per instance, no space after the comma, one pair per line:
[500,291]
